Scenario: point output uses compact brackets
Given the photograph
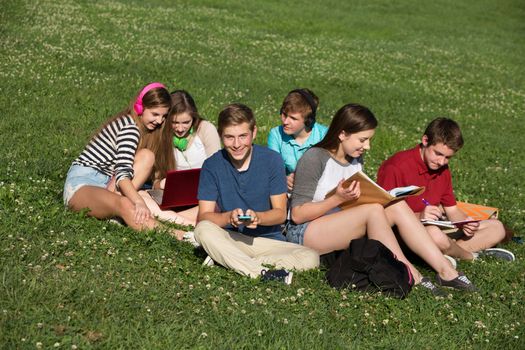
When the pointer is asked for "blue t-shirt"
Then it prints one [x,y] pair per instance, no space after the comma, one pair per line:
[222,183]
[289,150]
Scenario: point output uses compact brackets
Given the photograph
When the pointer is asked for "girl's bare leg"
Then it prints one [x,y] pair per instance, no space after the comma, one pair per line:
[104,204]
[418,240]
[186,217]
[142,167]
[335,231]
[446,245]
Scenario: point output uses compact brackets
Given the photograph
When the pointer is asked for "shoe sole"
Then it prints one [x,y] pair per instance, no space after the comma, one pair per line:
[500,253]
[451,260]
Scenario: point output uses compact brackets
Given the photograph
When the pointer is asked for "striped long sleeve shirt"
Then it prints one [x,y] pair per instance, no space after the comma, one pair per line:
[112,150]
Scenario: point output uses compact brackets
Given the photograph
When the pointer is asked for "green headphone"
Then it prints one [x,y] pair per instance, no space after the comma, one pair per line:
[181,143]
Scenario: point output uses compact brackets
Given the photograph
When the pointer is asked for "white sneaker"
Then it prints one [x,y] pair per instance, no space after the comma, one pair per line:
[208,262]
[117,221]
[190,238]
[451,260]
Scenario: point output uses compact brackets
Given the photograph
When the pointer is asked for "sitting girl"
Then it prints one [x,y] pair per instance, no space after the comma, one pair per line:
[318,223]
[111,162]
[186,141]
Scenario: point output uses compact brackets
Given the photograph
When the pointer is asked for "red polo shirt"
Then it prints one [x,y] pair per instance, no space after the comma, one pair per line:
[407,168]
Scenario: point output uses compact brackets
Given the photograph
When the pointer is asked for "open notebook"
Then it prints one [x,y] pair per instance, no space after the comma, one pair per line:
[180,189]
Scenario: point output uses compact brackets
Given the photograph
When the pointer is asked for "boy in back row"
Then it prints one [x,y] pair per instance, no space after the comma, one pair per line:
[427,165]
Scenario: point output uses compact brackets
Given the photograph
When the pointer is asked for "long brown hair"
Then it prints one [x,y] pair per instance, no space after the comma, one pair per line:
[351,118]
[154,98]
[181,102]
[152,139]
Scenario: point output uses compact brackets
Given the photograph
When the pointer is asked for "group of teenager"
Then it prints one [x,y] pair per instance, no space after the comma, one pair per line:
[264,211]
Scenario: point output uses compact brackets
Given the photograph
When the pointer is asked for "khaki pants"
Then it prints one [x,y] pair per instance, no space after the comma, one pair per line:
[246,255]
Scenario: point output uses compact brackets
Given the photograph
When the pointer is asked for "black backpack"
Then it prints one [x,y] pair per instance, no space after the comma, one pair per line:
[367,265]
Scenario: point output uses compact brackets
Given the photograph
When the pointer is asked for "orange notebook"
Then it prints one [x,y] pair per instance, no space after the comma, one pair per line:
[478,212]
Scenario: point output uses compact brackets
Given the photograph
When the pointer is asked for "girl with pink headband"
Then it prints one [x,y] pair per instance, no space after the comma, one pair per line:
[113,160]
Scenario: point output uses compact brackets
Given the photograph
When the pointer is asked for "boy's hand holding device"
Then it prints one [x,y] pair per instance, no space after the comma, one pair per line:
[248,219]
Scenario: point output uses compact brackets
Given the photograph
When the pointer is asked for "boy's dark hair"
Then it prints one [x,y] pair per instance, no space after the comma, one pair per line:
[446,131]
[235,114]
[302,101]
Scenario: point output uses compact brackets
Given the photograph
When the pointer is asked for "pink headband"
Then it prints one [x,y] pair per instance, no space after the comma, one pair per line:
[139,108]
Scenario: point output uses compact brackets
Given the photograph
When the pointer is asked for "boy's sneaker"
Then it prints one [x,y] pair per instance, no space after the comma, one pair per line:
[427,284]
[451,260]
[208,262]
[461,282]
[498,253]
[277,275]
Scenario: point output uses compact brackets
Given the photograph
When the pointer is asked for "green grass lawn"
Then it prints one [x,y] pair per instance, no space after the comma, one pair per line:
[68,281]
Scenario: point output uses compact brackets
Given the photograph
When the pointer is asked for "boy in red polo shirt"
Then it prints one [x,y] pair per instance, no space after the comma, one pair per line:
[427,165]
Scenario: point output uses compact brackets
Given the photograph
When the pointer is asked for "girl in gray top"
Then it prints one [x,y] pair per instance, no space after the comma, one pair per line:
[318,223]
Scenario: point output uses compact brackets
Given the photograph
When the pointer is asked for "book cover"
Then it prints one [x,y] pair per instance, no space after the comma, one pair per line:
[477,211]
[371,192]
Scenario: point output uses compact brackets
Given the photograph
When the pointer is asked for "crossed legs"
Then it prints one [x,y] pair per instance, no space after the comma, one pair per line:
[247,255]
[490,233]
[335,231]
[104,203]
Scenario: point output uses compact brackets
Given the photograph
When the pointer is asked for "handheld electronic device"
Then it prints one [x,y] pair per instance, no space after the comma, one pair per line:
[244,217]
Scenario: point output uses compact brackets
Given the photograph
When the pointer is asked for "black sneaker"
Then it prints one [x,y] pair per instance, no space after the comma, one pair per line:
[461,282]
[498,253]
[277,275]
[427,284]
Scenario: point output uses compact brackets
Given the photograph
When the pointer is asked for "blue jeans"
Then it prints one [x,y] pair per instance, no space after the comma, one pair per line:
[295,233]
[78,176]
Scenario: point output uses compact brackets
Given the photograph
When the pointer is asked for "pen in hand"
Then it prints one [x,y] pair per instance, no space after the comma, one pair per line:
[427,204]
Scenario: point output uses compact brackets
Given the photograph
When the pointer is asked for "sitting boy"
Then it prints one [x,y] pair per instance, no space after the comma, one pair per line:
[242,203]
[427,165]
[299,130]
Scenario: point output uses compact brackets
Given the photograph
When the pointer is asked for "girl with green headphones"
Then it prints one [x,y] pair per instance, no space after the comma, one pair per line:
[186,141]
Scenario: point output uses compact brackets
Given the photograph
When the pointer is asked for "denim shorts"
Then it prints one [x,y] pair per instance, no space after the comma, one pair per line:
[295,233]
[78,176]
